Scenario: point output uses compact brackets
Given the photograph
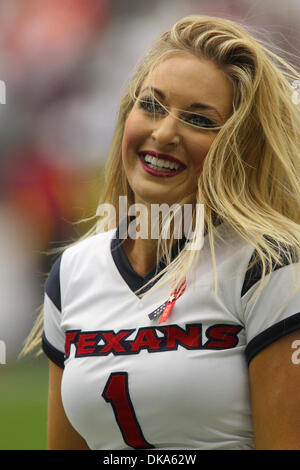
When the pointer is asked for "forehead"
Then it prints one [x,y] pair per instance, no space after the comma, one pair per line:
[184,79]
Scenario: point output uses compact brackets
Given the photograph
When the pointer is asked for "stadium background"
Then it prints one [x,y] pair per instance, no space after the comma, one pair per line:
[64,65]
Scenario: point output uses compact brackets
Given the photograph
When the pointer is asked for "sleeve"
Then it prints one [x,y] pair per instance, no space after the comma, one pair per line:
[53,338]
[275,311]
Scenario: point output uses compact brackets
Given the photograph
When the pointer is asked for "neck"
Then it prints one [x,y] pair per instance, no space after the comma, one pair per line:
[141,233]
[141,254]
[141,238]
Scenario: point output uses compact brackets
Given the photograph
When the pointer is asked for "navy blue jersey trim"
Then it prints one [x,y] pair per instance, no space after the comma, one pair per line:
[271,334]
[52,286]
[133,279]
[130,276]
[254,274]
[52,353]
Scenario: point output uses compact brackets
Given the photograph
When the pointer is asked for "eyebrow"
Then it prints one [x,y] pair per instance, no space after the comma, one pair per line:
[192,107]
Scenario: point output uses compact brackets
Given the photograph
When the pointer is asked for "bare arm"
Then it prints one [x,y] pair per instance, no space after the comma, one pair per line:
[275,396]
[61,434]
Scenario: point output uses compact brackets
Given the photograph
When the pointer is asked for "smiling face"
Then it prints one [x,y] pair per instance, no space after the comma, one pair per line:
[162,155]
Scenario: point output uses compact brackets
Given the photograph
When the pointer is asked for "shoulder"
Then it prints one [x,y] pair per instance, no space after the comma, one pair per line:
[73,259]
[237,253]
[255,267]
[233,253]
[238,259]
[88,246]
[271,310]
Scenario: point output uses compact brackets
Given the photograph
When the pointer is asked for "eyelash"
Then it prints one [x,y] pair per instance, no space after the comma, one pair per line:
[151,106]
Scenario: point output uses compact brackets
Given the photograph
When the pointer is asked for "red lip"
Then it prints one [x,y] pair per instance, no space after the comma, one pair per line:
[163,156]
[160,173]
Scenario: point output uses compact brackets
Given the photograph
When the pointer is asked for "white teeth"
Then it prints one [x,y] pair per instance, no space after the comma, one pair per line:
[159,162]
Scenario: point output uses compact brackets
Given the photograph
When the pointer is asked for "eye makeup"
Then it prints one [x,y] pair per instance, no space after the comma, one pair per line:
[151,106]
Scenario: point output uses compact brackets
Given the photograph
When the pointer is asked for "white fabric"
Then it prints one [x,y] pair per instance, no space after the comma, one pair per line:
[192,396]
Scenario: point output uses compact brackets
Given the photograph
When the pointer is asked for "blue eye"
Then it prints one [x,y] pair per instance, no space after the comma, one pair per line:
[200,121]
[150,105]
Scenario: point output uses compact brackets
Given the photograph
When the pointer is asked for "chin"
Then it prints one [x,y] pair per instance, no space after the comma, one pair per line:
[155,199]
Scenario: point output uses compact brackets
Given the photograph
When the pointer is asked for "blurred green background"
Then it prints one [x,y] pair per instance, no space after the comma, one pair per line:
[23,404]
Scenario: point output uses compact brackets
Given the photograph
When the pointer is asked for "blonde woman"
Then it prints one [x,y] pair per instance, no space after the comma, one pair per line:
[153,344]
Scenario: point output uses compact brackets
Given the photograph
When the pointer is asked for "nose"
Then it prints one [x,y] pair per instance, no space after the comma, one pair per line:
[166,131]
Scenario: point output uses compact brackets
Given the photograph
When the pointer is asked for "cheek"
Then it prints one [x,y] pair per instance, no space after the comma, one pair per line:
[132,136]
[198,150]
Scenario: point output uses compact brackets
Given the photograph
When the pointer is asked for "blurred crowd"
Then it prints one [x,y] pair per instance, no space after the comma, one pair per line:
[64,64]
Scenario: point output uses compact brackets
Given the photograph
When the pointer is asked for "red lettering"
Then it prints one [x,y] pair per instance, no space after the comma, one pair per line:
[145,338]
[190,338]
[70,337]
[222,336]
[86,343]
[113,341]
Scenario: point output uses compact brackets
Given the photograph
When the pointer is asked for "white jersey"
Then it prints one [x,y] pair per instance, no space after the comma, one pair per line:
[131,382]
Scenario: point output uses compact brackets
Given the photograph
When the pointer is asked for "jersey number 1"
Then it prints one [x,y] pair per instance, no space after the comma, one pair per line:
[116,393]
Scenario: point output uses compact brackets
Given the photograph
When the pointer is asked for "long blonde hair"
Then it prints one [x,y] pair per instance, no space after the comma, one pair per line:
[250,176]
